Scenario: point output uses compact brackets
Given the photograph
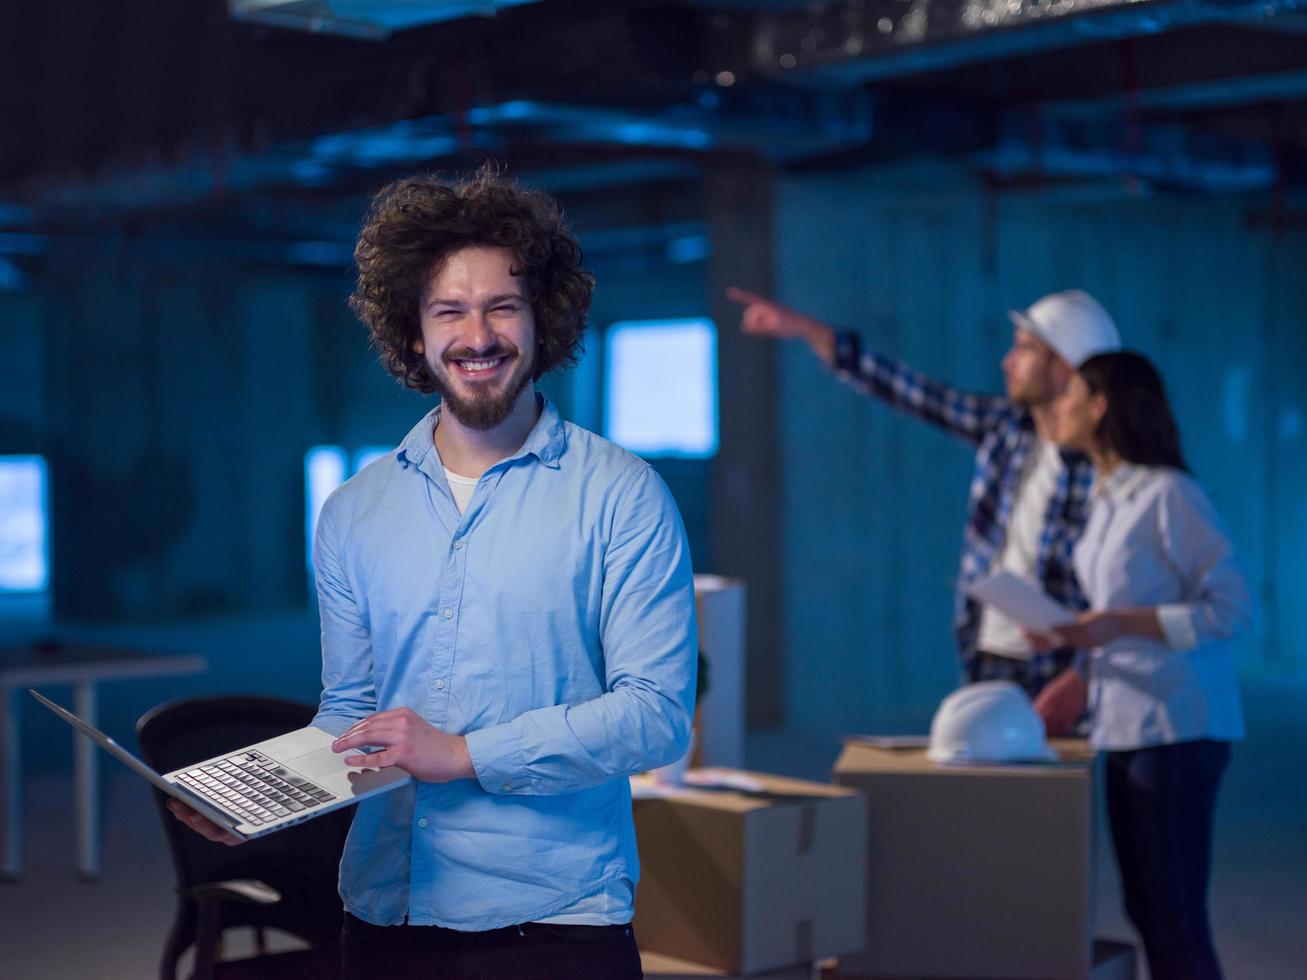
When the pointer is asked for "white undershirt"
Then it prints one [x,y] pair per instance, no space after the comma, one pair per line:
[461,487]
[1020,552]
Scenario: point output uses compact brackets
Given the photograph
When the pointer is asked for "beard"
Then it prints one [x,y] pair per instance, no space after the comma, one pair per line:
[486,403]
[1029,393]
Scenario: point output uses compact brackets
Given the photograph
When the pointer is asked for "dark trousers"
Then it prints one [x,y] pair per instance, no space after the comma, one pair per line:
[532,951]
[1029,674]
[1161,802]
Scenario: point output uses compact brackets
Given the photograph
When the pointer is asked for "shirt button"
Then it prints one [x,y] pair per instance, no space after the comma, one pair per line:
[422,822]
[506,787]
[440,685]
[458,545]
[448,614]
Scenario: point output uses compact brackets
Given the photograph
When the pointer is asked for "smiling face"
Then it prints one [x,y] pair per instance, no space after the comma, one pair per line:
[478,336]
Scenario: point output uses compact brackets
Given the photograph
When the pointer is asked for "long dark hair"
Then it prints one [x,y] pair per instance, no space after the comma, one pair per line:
[1138,424]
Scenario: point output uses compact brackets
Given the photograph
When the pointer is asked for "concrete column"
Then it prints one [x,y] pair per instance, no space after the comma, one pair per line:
[745,523]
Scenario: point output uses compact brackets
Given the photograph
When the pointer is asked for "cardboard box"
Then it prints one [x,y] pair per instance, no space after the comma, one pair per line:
[977,871]
[720,609]
[751,881]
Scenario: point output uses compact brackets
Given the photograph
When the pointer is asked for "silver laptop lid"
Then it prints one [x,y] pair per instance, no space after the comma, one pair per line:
[135,764]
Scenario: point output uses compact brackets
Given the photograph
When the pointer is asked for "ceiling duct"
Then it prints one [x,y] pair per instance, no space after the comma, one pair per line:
[852,42]
[373,20]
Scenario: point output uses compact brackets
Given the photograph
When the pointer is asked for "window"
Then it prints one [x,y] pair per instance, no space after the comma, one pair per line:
[324,471]
[660,387]
[326,468]
[24,525]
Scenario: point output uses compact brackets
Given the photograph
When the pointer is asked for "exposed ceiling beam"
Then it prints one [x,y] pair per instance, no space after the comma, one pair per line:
[1030,142]
[1213,93]
[370,20]
[674,241]
[853,42]
[780,124]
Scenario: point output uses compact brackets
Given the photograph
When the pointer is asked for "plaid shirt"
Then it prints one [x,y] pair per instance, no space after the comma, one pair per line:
[1003,434]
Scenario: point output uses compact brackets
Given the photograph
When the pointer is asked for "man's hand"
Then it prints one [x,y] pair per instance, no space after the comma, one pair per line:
[763,317]
[202,825]
[410,742]
[1061,702]
[1095,628]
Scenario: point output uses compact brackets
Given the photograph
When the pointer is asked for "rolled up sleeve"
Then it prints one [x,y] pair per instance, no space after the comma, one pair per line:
[1218,604]
[1177,622]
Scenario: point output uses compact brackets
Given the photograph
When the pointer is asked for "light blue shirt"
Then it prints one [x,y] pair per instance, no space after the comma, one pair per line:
[1154,539]
[552,623]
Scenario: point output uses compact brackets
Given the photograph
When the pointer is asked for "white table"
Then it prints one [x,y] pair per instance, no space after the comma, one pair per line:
[83,667]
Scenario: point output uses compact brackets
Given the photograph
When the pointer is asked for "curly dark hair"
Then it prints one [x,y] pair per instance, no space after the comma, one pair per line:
[414,224]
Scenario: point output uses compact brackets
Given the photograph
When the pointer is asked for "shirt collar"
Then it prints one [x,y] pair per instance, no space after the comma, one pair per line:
[1121,483]
[546,440]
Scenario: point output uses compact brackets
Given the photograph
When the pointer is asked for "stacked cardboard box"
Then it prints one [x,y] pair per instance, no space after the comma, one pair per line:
[751,880]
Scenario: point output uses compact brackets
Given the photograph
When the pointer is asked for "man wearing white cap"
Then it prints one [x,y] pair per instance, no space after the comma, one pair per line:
[1028,500]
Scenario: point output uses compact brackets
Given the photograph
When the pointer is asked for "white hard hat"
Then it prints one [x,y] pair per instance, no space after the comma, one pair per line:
[1073,323]
[992,721]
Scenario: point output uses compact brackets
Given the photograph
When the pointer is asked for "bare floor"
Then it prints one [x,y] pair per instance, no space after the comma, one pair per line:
[52,926]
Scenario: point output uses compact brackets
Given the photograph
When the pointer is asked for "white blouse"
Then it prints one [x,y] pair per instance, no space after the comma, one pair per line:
[1154,539]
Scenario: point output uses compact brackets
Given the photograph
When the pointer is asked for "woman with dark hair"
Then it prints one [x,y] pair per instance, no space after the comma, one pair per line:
[1165,596]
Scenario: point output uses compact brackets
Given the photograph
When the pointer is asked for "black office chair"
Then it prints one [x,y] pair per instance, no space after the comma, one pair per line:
[285,881]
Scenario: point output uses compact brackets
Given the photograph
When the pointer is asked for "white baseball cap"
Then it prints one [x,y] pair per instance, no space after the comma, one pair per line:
[1072,322]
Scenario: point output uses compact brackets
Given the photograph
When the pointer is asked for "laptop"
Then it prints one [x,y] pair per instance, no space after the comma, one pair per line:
[262,788]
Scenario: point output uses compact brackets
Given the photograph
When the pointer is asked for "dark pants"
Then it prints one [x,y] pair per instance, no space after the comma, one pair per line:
[1029,674]
[1161,802]
[532,951]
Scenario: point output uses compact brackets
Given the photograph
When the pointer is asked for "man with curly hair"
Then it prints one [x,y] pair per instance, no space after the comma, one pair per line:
[507,611]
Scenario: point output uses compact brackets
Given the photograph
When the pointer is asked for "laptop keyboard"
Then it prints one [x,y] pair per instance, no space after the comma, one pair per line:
[254,786]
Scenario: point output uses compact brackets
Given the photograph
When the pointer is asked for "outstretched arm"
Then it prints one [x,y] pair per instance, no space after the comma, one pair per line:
[964,414]
[763,317]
